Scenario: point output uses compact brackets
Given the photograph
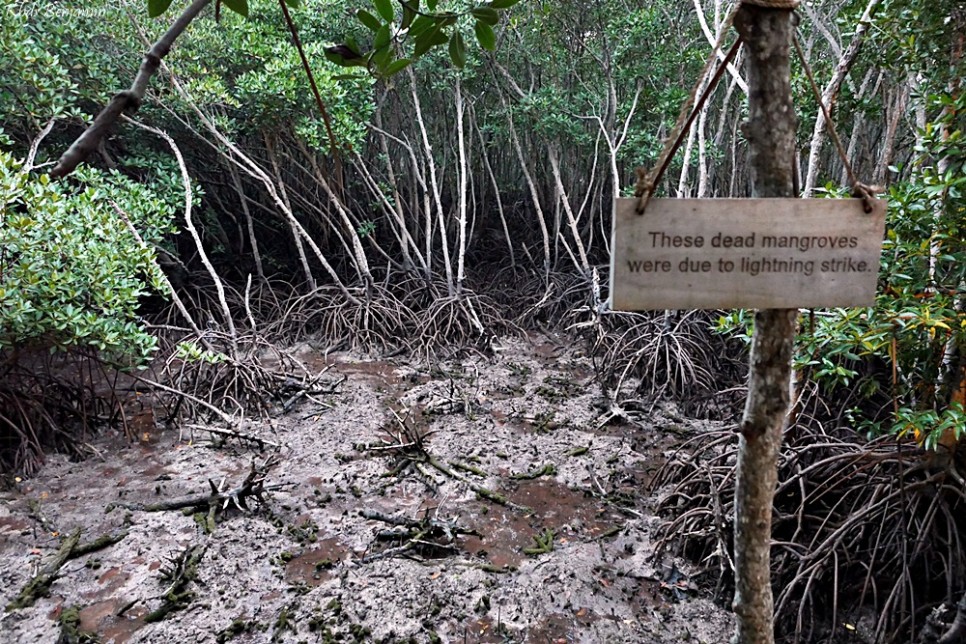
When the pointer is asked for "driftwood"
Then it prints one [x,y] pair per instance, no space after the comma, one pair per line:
[71,548]
[217,499]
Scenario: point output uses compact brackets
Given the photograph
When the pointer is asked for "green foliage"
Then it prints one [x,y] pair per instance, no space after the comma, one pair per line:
[399,38]
[928,426]
[35,86]
[190,352]
[248,74]
[157,7]
[904,351]
[71,273]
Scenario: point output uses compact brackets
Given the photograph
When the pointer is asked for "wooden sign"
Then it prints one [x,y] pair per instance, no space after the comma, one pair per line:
[745,253]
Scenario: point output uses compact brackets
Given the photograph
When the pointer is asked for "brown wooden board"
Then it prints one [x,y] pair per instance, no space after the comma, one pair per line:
[745,253]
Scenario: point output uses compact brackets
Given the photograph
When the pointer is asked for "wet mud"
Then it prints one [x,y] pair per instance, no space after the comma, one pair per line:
[561,551]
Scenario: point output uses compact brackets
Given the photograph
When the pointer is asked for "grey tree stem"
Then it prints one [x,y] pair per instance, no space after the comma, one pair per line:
[770,131]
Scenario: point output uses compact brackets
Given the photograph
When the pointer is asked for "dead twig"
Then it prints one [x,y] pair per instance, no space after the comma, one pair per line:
[70,548]
[234,433]
[182,571]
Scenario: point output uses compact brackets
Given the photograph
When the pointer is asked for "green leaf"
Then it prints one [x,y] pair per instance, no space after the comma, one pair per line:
[368,19]
[486,14]
[503,4]
[384,7]
[157,7]
[457,50]
[381,41]
[485,35]
[397,66]
[428,40]
[432,4]
[293,3]
[421,25]
[238,6]
[409,14]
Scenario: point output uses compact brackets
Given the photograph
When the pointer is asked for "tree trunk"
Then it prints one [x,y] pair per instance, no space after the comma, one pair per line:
[770,131]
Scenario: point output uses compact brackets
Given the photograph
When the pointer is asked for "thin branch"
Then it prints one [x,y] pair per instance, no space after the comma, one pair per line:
[129,99]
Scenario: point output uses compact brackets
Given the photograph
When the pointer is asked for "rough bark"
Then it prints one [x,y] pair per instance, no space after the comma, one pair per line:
[770,131]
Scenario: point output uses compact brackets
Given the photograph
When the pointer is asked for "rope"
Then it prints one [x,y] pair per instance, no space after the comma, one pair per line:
[648,181]
[859,189]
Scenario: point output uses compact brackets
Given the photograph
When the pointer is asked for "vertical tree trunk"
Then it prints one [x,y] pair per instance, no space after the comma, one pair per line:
[770,131]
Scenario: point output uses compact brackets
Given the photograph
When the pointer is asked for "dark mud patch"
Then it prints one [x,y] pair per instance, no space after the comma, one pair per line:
[316,565]
[508,534]
[113,620]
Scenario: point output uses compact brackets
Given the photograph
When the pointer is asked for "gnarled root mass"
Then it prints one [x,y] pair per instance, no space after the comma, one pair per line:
[51,401]
[857,527]
[664,354]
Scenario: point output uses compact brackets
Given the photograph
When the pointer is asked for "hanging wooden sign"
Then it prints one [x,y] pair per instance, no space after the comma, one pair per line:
[745,253]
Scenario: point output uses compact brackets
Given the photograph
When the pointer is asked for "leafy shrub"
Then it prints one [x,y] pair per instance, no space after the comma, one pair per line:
[899,364]
[71,272]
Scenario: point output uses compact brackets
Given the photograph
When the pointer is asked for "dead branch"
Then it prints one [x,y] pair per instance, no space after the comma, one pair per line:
[234,433]
[183,571]
[426,536]
[219,498]
[70,548]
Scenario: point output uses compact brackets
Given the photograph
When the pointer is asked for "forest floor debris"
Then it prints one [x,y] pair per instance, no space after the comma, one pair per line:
[381,521]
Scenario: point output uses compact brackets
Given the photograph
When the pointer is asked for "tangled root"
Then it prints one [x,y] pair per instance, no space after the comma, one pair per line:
[376,320]
[856,527]
[52,402]
[551,300]
[454,323]
[665,353]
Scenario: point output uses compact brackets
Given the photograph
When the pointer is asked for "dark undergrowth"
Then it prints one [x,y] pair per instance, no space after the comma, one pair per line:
[866,534]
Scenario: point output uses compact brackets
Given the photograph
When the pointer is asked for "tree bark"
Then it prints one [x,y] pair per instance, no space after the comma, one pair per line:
[770,131]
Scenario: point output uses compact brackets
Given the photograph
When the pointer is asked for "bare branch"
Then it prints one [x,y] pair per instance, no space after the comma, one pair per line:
[129,99]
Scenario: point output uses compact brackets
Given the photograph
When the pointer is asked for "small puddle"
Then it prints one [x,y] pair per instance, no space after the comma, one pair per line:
[506,533]
[315,566]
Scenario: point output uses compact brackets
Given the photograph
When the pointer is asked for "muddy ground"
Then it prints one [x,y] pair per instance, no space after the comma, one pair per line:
[560,552]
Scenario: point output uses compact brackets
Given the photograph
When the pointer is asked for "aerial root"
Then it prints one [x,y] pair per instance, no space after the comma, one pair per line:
[651,355]
[855,526]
